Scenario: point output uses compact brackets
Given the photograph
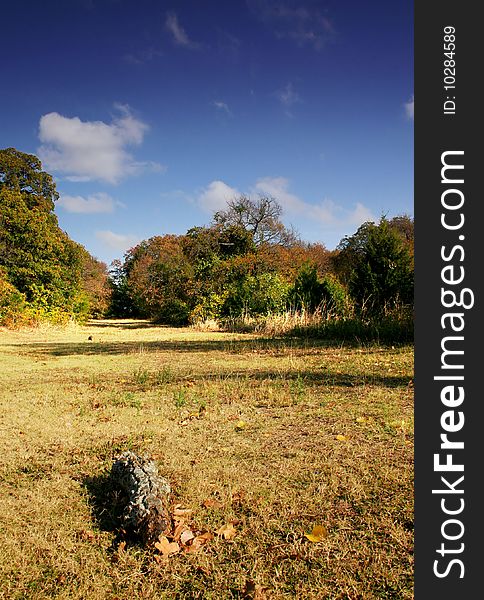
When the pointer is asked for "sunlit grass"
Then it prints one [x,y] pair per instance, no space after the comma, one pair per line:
[327,439]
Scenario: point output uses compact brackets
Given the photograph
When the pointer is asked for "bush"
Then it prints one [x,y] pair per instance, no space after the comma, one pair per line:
[256,295]
[12,303]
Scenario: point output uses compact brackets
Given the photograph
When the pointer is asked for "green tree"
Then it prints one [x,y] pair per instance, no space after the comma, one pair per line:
[23,173]
[37,257]
[378,267]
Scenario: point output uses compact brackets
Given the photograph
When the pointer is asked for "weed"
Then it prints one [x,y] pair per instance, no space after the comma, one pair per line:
[141,376]
[180,398]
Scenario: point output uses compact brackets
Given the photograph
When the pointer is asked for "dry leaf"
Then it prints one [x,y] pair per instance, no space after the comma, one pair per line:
[341,438]
[180,511]
[179,529]
[198,542]
[186,536]
[165,547]
[318,533]
[361,420]
[228,531]
[211,503]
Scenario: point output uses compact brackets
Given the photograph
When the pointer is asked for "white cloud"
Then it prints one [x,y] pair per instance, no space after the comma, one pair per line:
[180,36]
[94,203]
[326,213]
[409,108]
[288,97]
[223,107]
[216,195]
[87,150]
[117,241]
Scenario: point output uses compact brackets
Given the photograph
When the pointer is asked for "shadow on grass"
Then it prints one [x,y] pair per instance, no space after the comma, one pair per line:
[237,346]
[308,378]
[116,324]
[107,504]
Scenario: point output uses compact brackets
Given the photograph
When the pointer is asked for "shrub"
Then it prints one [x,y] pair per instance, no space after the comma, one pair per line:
[12,303]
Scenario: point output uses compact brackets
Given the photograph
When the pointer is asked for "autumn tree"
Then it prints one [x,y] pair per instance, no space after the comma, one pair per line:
[158,276]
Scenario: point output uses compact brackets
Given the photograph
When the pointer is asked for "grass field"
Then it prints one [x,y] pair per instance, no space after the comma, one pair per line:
[271,436]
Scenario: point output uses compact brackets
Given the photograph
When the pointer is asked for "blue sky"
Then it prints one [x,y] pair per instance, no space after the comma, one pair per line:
[152,114]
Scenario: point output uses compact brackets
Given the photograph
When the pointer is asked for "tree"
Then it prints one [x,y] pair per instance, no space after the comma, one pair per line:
[23,173]
[260,217]
[95,284]
[159,278]
[37,257]
[378,267]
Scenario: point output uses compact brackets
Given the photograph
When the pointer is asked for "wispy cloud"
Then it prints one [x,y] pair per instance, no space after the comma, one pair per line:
[180,36]
[409,108]
[87,150]
[94,203]
[288,97]
[142,57]
[117,241]
[326,213]
[222,107]
[304,25]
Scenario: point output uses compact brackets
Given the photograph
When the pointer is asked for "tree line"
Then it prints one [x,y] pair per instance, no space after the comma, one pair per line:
[244,263]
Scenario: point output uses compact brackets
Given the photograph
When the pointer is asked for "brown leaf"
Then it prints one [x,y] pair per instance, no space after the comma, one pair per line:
[198,542]
[212,503]
[186,536]
[228,531]
[179,529]
[165,547]
[180,511]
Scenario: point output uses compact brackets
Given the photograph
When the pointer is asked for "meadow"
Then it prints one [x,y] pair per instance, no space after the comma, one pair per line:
[299,449]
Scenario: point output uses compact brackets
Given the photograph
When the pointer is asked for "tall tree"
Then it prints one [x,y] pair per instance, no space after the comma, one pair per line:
[38,258]
[378,267]
[260,217]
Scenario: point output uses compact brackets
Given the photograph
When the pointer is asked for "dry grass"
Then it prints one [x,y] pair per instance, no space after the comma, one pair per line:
[70,405]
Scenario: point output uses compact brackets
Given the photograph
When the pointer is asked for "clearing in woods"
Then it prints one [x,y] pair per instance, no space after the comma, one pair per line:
[271,437]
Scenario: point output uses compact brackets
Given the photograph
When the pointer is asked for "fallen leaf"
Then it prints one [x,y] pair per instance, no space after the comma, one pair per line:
[180,511]
[165,547]
[179,529]
[318,533]
[341,438]
[228,531]
[186,536]
[361,420]
[211,503]
[198,542]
